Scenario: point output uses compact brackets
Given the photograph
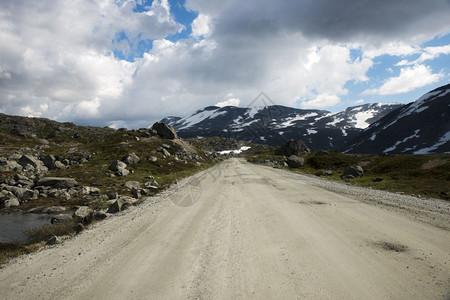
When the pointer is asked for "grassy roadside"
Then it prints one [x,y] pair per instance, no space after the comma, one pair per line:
[419,175]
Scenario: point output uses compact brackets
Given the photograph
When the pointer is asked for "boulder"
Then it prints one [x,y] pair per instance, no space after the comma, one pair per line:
[295,162]
[83,214]
[355,171]
[7,165]
[122,172]
[8,199]
[29,160]
[49,161]
[116,206]
[23,194]
[293,147]
[117,165]
[57,182]
[165,131]
[99,215]
[130,159]
[132,185]
[60,218]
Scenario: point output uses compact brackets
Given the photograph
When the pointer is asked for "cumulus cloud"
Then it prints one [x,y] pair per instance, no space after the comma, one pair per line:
[410,78]
[59,59]
[202,26]
[323,100]
[229,102]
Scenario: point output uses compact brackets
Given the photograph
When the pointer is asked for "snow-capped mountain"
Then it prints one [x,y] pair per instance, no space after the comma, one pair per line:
[276,124]
[420,127]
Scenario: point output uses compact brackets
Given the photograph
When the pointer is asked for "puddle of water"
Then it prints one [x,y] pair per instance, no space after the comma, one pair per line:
[12,225]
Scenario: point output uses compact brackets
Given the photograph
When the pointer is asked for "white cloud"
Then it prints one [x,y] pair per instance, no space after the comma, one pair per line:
[202,26]
[229,102]
[57,58]
[410,78]
[430,53]
[321,101]
[360,101]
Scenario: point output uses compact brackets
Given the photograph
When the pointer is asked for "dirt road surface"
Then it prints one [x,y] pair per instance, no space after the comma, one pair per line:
[242,231]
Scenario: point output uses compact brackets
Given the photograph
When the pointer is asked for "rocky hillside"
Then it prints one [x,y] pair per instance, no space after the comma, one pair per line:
[420,127]
[80,174]
[274,125]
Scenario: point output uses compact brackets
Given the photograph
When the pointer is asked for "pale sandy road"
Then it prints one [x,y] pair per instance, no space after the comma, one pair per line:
[253,233]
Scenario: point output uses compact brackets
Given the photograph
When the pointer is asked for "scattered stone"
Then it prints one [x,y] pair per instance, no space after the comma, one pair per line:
[116,206]
[99,215]
[57,182]
[29,160]
[112,195]
[151,184]
[60,218]
[117,165]
[136,193]
[378,179]
[295,162]
[165,131]
[355,171]
[153,159]
[131,159]
[348,177]
[53,240]
[132,185]
[324,173]
[54,210]
[83,215]
[8,199]
[293,147]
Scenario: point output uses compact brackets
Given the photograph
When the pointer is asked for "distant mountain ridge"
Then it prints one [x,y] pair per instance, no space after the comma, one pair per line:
[275,124]
[419,127]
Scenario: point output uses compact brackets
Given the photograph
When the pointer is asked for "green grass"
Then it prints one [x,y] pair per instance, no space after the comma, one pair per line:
[425,175]
[9,251]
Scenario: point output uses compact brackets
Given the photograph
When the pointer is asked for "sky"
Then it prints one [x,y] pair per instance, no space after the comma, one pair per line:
[129,63]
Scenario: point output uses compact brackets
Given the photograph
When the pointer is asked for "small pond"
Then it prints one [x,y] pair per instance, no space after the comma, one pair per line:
[12,225]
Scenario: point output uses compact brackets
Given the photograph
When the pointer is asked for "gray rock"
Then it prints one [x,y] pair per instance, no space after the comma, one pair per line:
[60,218]
[29,160]
[8,199]
[151,184]
[293,147]
[59,165]
[131,159]
[112,195]
[165,152]
[122,172]
[355,171]
[165,131]
[116,207]
[324,173]
[348,177]
[83,214]
[295,162]
[36,210]
[99,215]
[117,165]
[54,210]
[53,240]
[49,161]
[57,182]
[9,166]
[88,190]
[132,185]
[23,194]
[153,159]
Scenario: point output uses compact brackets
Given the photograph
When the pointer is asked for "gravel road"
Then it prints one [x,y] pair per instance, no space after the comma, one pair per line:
[243,231]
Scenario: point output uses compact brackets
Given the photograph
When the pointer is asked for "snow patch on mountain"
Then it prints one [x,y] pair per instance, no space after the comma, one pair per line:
[444,139]
[415,135]
[289,121]
[201,116]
